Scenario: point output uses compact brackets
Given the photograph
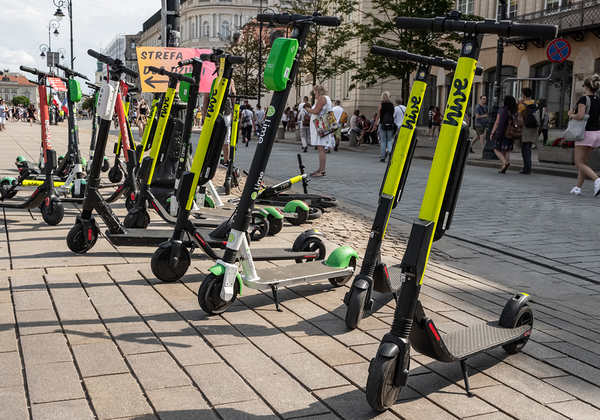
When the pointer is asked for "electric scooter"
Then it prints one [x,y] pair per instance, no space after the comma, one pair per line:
[389,370]
[219,288]
[44,195]
[106,163]
[374,274]
[172,259]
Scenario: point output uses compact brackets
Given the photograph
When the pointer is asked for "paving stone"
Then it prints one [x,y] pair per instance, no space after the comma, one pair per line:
[289,323]
[53,382]
[248,361]
[135,338]
[10,369]
[28,280]
[190,350]
[420,409]
[349,402]
[219,332]
[157,370]
[45,348]
[32,300]
[220,384]
[491,416]
[62,410]
[340,332]
[534,367]
[99,359]
[310,371]
[181,403]
[329,350]
[575,386]
[516,404]
[276,344]
[245,320]
[576,409]
[357,373]
[287,397]
[13,404]
[116,396]
[87,331]
[247,410]
[38,322]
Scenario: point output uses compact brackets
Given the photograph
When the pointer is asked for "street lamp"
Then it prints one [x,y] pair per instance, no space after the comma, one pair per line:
[59,15]
[44,48]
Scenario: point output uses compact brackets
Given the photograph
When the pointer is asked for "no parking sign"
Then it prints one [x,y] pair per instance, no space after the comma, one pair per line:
[558,50]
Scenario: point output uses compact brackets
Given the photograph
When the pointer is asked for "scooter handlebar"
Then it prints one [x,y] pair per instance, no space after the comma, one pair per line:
[215,58]
[172,75]
[504,28]
[243,97]
[285,18]
[71,72]
[42,73]
[92,86]
[416,58]
[30,70]
[112,62]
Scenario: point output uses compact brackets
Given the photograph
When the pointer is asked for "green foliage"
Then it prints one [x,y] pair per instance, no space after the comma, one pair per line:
[377,27]
[88,103]
[323,57]
[245,76]
[20,100]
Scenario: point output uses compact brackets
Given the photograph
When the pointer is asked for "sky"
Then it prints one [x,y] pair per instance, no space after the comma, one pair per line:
[24,27]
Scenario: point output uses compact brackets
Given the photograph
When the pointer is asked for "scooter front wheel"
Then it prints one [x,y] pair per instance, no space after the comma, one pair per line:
[5,186]
[56,214]
[76,240]
[275,225]
[105,165]
[115,175]
[259,226]
[209,295]
[227,186]
[138,220]
[524,317]
[160,264]
[130,201]
[381,391]
[314,245]
[314,213]
[301,219]
[356,308]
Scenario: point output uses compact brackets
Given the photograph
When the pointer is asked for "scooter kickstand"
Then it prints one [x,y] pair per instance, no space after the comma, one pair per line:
[395,297]
[31,214]
[464,367]
[274,290]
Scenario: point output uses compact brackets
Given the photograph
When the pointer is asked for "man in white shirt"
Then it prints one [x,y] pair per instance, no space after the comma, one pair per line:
[399,111]
[337,113]
[259,116]
[304,130]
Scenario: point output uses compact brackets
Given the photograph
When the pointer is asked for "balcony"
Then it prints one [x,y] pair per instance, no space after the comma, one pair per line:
[572,19]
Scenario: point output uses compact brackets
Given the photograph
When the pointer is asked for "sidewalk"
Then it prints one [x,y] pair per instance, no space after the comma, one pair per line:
[97,336]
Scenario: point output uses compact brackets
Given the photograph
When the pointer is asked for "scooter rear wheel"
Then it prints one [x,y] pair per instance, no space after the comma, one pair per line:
[138,220]
[115,175]
[105,165]
[129,201]
[259,226]
[340,281]
[209,295]
[57,214]
[160,264]
[81,192]
[524,317]
[275,225]
[356,308]
[301,219]
[312,244]
[227,186]
[381,391]
[314,213]
[5,186]
[76,240]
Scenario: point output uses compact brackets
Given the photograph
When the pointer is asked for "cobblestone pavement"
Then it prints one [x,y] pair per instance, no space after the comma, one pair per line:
[97,336]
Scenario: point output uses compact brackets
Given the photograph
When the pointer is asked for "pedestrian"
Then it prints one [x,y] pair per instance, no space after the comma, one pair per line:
[246,124]
[142,119]
[545,121]
[259,119]
[584,148]
[3,113]
[285,118]
[354,128]
[437,122]
[430,121]
[528,109]
[399,112]
[31,114]
[503,145]
[304,121]
[322,106]
[292,123]
[365,125]
[385,119]
[481,114]
[338,112]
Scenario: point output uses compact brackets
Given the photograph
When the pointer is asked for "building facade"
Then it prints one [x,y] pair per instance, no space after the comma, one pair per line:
[15,84]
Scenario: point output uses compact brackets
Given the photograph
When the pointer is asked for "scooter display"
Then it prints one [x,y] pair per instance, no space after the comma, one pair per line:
[374,274]
[219,288]
[389,370]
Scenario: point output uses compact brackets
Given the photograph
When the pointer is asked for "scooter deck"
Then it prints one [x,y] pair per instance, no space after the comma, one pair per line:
[467,342]
[395,280]
[154,237]
[310,271]
[313,200]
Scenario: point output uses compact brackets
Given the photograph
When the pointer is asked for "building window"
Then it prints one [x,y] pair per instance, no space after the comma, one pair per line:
[225,32]
[511,9]
[206,29]
[193,30]
[349,17]
[557,4]
[465,6]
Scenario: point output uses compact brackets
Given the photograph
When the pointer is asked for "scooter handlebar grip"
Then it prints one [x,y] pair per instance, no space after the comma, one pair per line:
[188,79]
[384,52]
[416,24]
[156,70]
[281,18]
[538,31]
[129,71]
[29,69]
[70,71]
[91,85]
[284,19]
[101,57]
[327,21]
[235,59]
[185,62]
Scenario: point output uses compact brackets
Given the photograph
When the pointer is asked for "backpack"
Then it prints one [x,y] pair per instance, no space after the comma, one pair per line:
[532,115]
[246,121]
[514,127]
[344,117]
[306,120]
[437,117]
[388,121]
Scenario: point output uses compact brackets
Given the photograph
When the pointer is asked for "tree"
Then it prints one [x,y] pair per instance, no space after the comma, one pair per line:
[88,103]
[324,57]
[245,75]
[378,28]
[20,100]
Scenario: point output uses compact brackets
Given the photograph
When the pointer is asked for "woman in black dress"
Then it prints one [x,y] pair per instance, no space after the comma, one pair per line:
[502,145]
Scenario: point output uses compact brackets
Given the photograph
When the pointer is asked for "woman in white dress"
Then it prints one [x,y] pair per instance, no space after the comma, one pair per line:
[322,105]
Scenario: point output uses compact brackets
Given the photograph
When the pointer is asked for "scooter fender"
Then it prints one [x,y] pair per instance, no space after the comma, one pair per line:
[293,205]
[392,346]
[220,269]
[360,282]
[272,211]
[341,257]
[304,236]
[9,179]
[511,310]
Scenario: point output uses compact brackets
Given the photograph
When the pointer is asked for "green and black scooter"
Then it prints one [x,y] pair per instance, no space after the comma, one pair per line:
[389,370]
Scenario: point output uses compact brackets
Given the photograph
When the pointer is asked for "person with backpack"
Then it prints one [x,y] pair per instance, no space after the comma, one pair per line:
[588,104]
[504,144]
[399,112]
[246,124]
[385,118]
[304,121]
[437,119]
[531,123]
